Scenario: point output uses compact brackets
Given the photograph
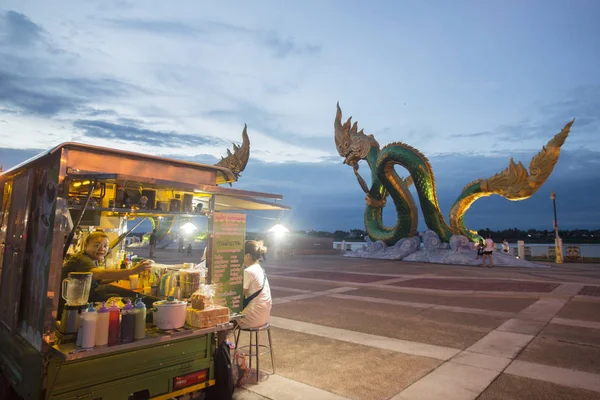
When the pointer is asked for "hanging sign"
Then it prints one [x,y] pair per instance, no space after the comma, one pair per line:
[227,270]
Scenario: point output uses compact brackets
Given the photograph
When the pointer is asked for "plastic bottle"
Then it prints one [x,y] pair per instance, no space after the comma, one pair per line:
[140,320]
[124,262]
[127,323]
[153,284]
[114,312]
[102,326]
[80,332]
[89,327]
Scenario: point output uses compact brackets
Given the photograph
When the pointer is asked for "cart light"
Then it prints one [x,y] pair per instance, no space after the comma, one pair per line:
[190,379]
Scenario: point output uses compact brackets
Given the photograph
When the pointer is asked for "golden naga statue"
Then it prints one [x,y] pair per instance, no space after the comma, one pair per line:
[237,160]
[514,183]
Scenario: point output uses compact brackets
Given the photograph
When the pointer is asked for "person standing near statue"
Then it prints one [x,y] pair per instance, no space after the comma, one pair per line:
[505,246]
[480,247]
[488,251]
[180,244]
[152,242]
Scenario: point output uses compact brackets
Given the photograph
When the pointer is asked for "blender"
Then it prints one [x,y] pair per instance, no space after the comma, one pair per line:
[75,291]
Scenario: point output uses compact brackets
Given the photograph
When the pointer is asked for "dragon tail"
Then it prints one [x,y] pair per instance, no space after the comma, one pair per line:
[514,183]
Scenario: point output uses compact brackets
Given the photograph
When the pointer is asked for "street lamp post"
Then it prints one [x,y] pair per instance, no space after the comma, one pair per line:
[558,247]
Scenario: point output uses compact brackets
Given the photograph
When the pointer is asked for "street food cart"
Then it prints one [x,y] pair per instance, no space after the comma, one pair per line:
[81,187]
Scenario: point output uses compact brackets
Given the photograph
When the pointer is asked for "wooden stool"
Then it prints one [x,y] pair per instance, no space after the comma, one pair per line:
[254,348]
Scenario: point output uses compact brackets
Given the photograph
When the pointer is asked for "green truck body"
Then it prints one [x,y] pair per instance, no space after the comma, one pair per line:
[38,217]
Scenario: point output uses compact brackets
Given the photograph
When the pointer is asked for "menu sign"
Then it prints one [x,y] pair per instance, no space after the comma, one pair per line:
[227,270]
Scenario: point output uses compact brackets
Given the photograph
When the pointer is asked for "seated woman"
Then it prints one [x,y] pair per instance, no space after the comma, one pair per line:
[94,250]
[257,293]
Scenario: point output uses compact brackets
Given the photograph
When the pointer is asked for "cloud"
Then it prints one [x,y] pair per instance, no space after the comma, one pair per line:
[27,83]
[273,125]
[51,96]
[18,30]
[19,37]
[127,133]
[280,47]
[18,92]
[548,118]
[286,47]
[11,157]
[156,27]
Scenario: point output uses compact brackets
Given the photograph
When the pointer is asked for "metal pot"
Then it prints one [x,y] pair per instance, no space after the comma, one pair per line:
[169,314]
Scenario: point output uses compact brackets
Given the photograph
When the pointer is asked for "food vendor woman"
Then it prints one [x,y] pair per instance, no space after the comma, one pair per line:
[94,250]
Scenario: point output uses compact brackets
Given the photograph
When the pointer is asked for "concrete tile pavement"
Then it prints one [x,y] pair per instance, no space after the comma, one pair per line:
[451,381]
[501,344]
[386,343]
[496,302]
[524,326]
[494,352]
[581,309]
[441,328]
[467,382]
[424,305]
[565,346]
[561,376]
[279,387]
[342,367]
[245,394]
[479,360]
[578,318]
[575,322]
[512,387]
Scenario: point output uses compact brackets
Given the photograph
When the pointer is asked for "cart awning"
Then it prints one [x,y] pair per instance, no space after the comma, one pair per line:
[233,203]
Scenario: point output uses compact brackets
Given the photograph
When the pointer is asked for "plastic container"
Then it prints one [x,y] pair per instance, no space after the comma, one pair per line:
[140,320]
[89,327]
[80,332]
[127,323]
[114,313]
[189,281]
[102,326]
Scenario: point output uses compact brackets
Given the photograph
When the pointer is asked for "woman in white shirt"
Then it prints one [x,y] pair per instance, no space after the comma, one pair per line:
[257,293]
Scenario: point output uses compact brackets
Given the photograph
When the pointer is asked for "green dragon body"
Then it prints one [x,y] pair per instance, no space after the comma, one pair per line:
[514,183]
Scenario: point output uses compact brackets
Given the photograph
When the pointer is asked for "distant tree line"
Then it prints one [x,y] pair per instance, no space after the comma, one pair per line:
[544,236]
[512,235]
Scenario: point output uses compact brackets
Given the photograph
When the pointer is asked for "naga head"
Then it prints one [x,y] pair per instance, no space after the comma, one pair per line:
[237,160]
[351,144]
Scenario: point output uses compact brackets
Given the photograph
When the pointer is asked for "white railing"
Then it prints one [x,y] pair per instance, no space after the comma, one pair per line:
[536,249]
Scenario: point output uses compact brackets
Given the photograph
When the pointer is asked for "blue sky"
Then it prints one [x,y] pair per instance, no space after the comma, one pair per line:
[469,83]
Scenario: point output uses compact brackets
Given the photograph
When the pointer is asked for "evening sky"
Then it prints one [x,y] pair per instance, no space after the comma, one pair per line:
[469,83]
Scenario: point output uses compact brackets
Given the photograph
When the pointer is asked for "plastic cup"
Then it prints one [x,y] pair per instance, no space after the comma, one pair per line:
[133,281]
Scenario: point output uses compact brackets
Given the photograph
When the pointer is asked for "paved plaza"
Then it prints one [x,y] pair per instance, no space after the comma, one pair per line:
[348,328]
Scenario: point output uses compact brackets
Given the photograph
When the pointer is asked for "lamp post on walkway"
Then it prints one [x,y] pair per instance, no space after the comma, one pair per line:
[557,244]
